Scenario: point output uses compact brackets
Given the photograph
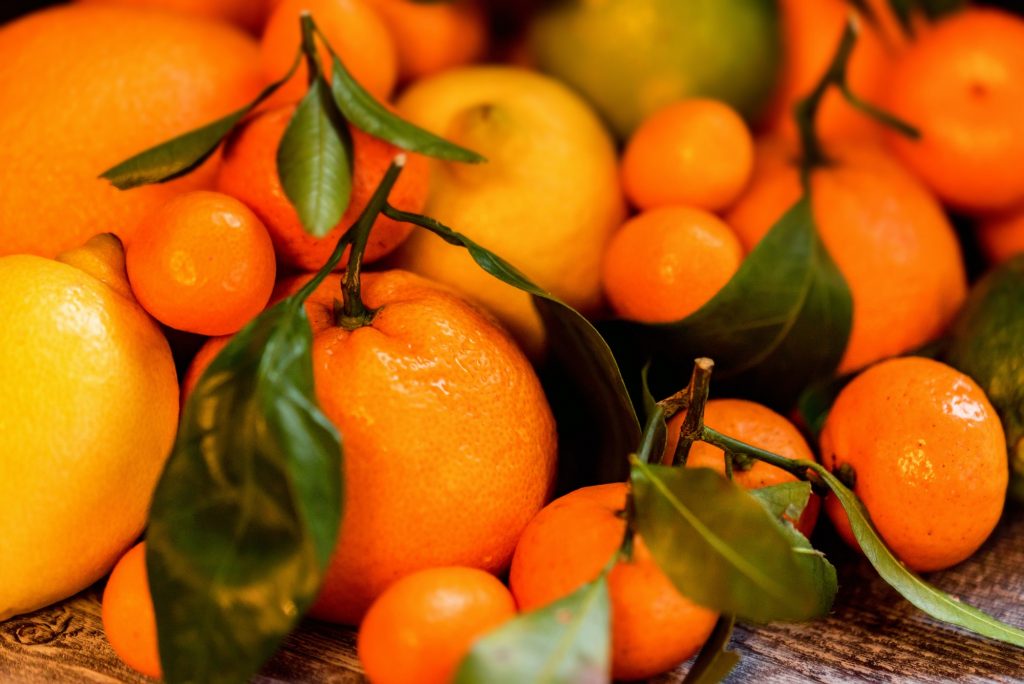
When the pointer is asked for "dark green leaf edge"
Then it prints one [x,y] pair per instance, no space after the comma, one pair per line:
[715,661]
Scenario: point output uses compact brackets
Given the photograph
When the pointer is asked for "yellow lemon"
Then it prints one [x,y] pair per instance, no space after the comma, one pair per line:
[90,407]
[547,199]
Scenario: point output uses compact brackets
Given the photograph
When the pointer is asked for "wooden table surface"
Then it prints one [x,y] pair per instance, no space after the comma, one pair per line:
[873,635]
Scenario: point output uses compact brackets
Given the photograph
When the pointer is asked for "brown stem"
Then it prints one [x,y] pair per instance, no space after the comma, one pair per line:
[697,398]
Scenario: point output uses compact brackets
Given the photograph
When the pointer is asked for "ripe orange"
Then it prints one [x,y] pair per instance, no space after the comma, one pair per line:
[129,621]
[695,152]
[666,263]
[962,85]
[811,32]
[654,628]
[1002,236]
[758,426]
[246,14]
[929,455]
[885,231]
[249,173]
[352,27]
[423,625]
[203,358]
[133,79]
[432,37]
[202,263]
[450,444]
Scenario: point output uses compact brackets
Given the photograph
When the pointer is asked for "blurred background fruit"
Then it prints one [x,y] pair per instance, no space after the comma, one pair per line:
[202,263]
[666,263]
[129,621]
[547,199]
[133,79]
[631,57]
[246,14]
[654,627]
[1001,236]
[425,623]
[91,408]
[929,460]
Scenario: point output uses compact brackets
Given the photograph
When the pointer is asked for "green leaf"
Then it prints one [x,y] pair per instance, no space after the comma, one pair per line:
[580,352]
[182,155]
[722,548]
[248,508]
[787,499]
[932,601]
[371,117]
[568,641]
[780,323]
[714,662]
[314,161]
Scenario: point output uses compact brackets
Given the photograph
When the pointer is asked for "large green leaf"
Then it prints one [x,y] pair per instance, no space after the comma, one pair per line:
[582,355]
[781,322]
[370,116]
[787,499]
[715,661]
[314,161]
[566,642]
[926,597]
[722,548]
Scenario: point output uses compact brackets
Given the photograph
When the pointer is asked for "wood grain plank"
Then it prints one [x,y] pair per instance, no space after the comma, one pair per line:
[873,635]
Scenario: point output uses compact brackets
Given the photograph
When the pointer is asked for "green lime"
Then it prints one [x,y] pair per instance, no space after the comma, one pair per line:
[630,57]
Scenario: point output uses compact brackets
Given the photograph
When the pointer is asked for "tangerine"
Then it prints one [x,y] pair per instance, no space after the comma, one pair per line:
[129,620]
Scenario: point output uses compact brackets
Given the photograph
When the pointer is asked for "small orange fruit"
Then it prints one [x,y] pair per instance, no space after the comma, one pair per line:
[758,426]
[129,621]
[697,153]
[249,173]
[202,263]
[246,14]
[355,31]
[203,358]
[885,231]
[567,544]
[423,625]
[929,455]
[432,37]
[666,263]
[1002,236]
[962,85]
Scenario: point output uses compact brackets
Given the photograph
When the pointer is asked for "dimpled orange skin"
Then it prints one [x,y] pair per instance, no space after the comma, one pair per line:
[885,231]
[203,263]
[249,173]
[962,85]
[423,625]
[696,153]
[355,31]
[129,621]
[432,37]
[135,78]
[1002,237]
[666,263]
[450,445]
[654,628]
[930,459]
[758,426]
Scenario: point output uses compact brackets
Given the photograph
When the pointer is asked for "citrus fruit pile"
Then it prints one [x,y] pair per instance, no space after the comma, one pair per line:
[528,339]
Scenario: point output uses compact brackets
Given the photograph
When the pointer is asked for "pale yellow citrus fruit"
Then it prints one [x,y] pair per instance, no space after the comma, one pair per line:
[90,407]
[547,199]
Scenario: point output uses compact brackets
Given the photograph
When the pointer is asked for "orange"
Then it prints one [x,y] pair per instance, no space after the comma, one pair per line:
[423,625]
[758,426]
[1002,236]
[962,85]
[811,34]
[135,78]
[695,152]
[432,37]
[450,444]
[654,628]
[929,455]
[355,31]
[666,263]
[246,14]
[249,173]
[885,231]
[202,263]
[203,358]
[129,621]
